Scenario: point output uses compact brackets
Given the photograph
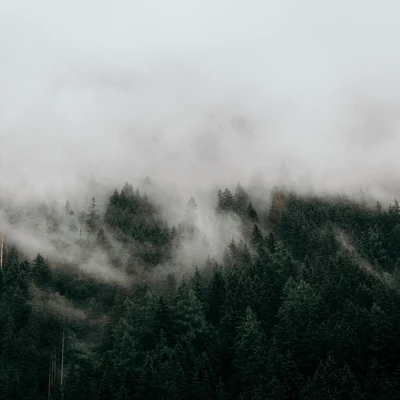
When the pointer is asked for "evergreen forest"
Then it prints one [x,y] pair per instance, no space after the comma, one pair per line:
[302,303]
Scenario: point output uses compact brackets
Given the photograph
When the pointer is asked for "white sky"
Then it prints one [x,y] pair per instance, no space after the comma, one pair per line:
[120,89]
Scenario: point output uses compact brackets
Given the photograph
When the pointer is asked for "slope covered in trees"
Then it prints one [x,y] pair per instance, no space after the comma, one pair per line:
[306,305]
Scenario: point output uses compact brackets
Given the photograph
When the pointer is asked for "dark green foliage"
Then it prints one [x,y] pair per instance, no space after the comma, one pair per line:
[216,298]
[306,306]
[134,219]
[226,201]
[93,218]
[251,213]
[41,273]
[238,202]
[251,357]
[331,382]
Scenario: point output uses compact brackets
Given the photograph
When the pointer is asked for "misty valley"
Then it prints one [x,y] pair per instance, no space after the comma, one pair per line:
[292,296]
[254,251]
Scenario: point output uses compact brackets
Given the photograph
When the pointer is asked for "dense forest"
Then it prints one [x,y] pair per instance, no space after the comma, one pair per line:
[304,302]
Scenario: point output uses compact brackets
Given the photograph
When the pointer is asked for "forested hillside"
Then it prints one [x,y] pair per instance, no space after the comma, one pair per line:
[303,304]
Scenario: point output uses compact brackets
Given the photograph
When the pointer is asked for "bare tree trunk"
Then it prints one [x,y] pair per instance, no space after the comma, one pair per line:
[52,368]
[54,365]
[1,249]
[62,359]
[49,386]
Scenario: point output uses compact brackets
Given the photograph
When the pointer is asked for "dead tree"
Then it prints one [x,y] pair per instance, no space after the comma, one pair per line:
[1,249]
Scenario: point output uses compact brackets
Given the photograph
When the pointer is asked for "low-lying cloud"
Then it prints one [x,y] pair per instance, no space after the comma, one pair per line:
[195,96]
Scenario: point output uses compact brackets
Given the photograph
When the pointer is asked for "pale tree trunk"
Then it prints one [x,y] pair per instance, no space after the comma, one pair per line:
[52,371]
[62,359]
[1,249]
[54,365]
[52,368]
[49,386]
[80,268]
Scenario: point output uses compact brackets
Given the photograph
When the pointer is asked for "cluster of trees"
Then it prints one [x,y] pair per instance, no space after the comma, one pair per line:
[238,202]
[307,306]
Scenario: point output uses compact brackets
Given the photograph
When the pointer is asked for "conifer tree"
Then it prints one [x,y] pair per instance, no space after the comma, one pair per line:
[251,357]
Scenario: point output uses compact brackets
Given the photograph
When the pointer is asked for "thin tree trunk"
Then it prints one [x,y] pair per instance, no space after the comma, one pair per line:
[80,267]
[1,249]
[49,387]
[62,359]
[52,368]
[54,365]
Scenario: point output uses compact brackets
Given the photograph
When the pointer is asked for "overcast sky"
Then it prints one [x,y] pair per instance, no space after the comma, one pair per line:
[197,93]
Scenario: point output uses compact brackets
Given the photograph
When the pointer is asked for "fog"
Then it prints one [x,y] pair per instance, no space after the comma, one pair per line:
[194,94]
[384,277]
[56,305]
